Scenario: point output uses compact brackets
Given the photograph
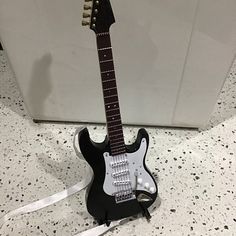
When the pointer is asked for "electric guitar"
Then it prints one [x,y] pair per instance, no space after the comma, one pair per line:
[122,185]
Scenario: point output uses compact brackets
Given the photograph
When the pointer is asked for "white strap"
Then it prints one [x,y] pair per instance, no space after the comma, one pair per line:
[45,202]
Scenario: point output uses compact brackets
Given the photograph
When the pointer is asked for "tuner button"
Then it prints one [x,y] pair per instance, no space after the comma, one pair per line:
[96,11]
[84,23]
[146,185]
[86,15]
[97,2]
[87,7]
[152,190]
[140,181]
[94,19]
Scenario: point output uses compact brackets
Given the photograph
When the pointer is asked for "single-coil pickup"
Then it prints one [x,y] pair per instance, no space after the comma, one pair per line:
[119,163]
[120,173]
[122,182]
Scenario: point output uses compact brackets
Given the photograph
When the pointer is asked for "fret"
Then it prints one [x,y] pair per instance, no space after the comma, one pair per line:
[106,61]
[108,80]
[110,96]
[102,49]
[110,103]
[101,34]
[109,89]
[107,71]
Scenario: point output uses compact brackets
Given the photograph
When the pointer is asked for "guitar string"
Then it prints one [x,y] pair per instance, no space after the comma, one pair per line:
[124,176]
[123,179]
[119,176]
[127,175]
[115,171]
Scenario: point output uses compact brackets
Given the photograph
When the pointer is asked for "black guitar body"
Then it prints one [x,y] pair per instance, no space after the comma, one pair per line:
[101,206]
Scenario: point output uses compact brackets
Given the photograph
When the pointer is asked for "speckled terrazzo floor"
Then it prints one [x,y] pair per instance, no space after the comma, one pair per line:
[196,171]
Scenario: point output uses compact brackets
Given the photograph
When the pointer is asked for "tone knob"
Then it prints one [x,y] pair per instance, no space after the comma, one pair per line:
[152,190]
[146,185]
[140,180]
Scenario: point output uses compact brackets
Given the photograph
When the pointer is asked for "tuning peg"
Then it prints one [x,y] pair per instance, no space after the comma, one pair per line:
[84,23]
[87,7]
[86,15]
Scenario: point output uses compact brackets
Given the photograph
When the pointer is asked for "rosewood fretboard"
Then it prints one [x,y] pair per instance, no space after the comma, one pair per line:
[110,94]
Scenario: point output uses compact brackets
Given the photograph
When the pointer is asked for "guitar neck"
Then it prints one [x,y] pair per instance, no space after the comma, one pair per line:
[110,94]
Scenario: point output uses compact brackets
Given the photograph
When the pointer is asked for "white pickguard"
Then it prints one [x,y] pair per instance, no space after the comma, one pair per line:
[136,168]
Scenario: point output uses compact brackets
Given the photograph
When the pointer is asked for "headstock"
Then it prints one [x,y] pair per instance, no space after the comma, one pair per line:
[99,14]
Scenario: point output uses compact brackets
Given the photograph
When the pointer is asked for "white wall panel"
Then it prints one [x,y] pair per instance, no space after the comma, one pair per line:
[212,50]
[56,65]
